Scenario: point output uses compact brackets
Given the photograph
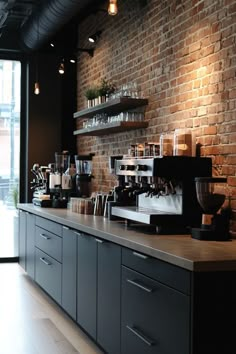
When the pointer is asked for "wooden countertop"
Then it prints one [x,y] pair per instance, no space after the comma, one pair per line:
[180,250]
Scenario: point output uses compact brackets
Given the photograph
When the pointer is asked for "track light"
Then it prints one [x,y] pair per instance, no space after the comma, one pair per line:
[112,8]
[61,69]
[94,37]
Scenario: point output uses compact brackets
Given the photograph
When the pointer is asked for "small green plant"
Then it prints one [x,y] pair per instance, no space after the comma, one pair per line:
[91,93]
[15,195]
[106,88]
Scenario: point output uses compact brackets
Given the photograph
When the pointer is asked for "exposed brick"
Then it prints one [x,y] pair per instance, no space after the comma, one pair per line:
[183,59]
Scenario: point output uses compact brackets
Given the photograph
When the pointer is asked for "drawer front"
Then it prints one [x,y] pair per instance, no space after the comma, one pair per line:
[49,243]
[164,272]
[49,225]
[155,318]
[48,274]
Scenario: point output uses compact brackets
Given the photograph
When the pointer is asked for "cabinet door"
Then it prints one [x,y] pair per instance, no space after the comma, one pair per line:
[108,302]
[22,239]
[87,283]
[69,254]
[155,317]
[30,243]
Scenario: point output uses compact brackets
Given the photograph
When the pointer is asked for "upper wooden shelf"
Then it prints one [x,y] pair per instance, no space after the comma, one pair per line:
[112,107]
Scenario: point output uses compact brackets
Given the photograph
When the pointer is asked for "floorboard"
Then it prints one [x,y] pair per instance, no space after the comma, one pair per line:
[32,323]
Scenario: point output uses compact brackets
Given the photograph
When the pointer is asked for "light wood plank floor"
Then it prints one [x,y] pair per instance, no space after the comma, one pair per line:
[31,323]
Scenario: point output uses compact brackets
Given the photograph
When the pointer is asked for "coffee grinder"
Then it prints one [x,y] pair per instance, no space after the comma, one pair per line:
[215,225]
[83,177]
[60,183]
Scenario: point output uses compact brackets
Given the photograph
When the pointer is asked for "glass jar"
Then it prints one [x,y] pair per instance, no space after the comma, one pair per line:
[166,145]
[182,142]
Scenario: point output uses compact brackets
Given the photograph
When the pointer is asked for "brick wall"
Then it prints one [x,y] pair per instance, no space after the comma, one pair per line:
[182,54]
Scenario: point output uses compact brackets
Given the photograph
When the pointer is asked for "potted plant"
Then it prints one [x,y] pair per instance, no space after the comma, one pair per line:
[91,94]
[105,89]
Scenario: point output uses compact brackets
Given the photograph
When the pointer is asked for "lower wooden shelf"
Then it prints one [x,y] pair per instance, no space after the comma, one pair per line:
[111,128]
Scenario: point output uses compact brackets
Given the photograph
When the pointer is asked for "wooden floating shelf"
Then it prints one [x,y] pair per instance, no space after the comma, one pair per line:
[112,107]
[109,128]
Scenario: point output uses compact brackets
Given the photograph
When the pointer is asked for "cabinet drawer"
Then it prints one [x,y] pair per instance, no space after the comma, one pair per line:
[48,274]
[49,225]
[155,318]
[49,243]
[164,272]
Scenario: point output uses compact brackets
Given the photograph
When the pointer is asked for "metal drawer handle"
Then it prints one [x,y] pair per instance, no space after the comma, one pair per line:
[140,255]
[98,240]
[42,259]
[141,336]
[45,237]
[140,286]
[65,227]
[78,233]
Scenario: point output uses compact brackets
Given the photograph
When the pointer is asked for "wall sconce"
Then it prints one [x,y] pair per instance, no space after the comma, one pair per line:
[61,68]
[112,7]
[94,37]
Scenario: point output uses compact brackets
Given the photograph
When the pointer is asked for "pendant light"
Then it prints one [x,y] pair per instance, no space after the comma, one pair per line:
[112,8]
[36,84]
[61,68]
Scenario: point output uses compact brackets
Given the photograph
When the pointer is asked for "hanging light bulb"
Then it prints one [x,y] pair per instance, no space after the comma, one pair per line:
[112,8]
[36,88]
[61,69]
[36,84]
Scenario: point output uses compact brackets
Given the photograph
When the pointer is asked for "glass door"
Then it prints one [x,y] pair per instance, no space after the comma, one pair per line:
[10,98]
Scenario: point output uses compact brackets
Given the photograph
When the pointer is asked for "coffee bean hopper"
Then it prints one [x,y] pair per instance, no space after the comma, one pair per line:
[215,223]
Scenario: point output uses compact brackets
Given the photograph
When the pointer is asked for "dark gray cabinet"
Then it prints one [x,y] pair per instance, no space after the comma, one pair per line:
[69,264]
[87,284]
[108,296]
[22,239]
[155,317]
[48,257]
[48,274]
[27,242]
[30,244]
[155,306]
[98,291]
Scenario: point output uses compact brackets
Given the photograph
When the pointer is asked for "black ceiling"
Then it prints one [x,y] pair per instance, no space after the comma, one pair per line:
[26,25]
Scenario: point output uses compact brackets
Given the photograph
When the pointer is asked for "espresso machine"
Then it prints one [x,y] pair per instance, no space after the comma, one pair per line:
[159,191]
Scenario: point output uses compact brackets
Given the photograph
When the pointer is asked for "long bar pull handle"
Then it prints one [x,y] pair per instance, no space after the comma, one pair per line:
[141,336]
[44,261]
[98,240]
[65,228]
[140,255]
[45,237]
[140,286]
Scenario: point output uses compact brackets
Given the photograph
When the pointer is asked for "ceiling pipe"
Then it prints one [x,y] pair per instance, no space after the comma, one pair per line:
[48,19]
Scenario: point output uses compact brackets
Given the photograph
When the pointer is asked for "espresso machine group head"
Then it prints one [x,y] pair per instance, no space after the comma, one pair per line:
[160,191]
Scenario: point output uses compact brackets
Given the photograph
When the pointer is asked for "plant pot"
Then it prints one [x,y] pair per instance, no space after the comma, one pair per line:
[90,103]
